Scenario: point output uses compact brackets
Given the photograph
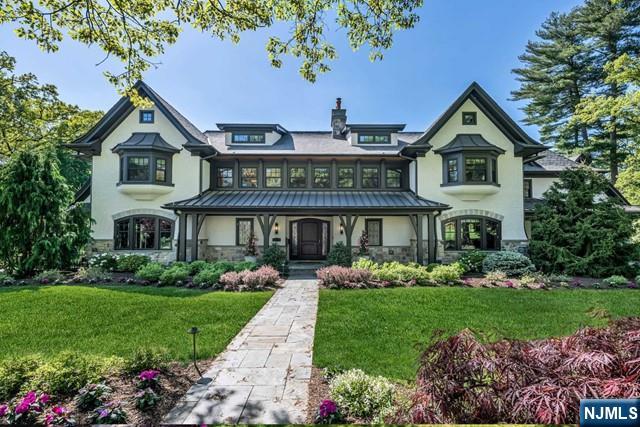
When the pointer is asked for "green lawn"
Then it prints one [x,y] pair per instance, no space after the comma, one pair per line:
[115,320]
[381,331]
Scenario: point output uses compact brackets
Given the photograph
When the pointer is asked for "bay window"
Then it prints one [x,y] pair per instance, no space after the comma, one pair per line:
[468,233]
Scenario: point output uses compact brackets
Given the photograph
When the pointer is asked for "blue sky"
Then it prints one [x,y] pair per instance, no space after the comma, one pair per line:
[210,81]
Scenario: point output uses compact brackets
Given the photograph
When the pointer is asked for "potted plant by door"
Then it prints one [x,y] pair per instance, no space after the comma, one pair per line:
[250,249]
[363,244]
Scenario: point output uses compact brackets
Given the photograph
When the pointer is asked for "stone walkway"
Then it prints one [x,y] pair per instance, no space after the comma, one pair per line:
[263,375]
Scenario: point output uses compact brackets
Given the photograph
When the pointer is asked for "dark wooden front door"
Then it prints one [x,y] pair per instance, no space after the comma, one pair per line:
[309,239]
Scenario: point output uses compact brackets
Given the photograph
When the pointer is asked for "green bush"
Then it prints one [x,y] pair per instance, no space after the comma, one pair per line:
[151,272]
[5,279]
[224,266]
[85,274]
[275,257]
[510,263]
[616,281]
[67,373]
[146,358]
[132,263]
[106,261]
[14,372]
[399,273]
[363,396]
[49,276]
[207,278]
[173,275]
[472,261]
[197,266]
[244,266]
[447,274]
[339,255]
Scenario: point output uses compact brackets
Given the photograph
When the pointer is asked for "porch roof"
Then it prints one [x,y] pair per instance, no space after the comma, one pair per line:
[298,200]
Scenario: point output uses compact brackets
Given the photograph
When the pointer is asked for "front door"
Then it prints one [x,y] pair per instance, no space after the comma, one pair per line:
[309,239]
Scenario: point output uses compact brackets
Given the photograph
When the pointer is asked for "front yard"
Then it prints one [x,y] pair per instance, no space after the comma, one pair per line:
[118,319]
[383,330]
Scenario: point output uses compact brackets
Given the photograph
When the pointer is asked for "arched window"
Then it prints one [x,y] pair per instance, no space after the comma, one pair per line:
[471,232]
[143,233]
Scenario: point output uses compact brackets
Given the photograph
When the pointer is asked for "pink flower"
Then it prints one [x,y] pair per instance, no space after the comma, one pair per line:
[22,407]
[3,410]
[30,397]
[48,419]
[59,410]
[44,398]
[149,375]
[327,407]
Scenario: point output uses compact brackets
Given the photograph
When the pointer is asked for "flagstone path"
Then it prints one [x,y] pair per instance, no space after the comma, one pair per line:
[263,375]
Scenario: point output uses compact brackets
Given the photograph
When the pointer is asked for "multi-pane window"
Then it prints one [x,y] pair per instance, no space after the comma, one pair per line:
[249,177]
[346,177]
[452,170]
[248,138]
[370,177]
[146,116]
[374,231]
[321,177]
[224,178]
[138,169]
[467,233]
[494,170]
[143,233]
[244,229]
[298,177]
[394,178]
[364,138]
[475,169]
[161,170]
[469,118]
[527,188]
[272,177]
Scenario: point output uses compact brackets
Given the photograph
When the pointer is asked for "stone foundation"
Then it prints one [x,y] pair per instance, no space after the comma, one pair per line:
[448,257]
[106,246]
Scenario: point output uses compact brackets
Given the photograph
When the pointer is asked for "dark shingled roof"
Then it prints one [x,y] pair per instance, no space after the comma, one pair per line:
[145,140]
[550,162]
[464,141]
[228,200]
[311,143]
[530,203]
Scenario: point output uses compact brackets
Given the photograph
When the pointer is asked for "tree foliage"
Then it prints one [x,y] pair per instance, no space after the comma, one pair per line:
[568,78]
[41,227]
[138,31]
[579,231]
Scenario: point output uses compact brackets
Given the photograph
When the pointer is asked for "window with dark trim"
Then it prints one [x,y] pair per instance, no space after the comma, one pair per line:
[475,169]
[394,178]
[249,177]
[468,233]
[370,177]
[527,188]
[248,138]
[147,116]
[143,233]
[138,169]
[244,229]
[469,168]
[452,170]
[469,118]
[145,168]
[161,170]
[346,177]
[373,228]
[321,177]
[224,177]
[273,177]
[374,138]
[297,177]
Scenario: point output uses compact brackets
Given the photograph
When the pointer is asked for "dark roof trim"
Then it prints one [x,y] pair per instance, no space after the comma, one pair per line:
[91,142]
[83,192]
[391,128]
[140,141]
[525,145]
[469,142]
[253,127]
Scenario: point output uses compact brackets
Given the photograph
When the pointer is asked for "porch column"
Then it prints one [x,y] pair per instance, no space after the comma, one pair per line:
[348,222]
[432,238]
[266,221]
[194,237]
[182,237]
[417,224]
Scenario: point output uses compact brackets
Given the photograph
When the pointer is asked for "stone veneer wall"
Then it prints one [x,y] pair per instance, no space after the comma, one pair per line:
[104,246]
[506,245]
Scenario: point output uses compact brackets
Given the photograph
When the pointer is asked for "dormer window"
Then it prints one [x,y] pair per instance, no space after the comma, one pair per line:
[248,138]
[469,159]
[373,138]
[145,158]
[146,116]
[469,118]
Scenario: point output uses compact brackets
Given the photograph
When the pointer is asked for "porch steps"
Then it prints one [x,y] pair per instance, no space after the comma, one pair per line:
[304,269]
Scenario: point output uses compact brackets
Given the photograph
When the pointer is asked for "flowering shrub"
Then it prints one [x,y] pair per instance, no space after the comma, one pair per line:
[463,380]
[472,261]
[109,413]
[264,277]
[363,396]
[616,281]
[49,277]
[148,379]
[105,261]
[334,277]
[91,396]
[510,263]
[59,416]
[131,263]
[150,272]
[146,399]
[27,409]
[328,413]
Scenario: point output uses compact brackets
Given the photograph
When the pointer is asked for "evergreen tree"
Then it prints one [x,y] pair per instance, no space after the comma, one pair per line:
[41,228]
[555,76]
[577,231]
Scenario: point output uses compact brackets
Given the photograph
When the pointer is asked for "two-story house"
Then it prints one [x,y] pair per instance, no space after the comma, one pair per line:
[161,186]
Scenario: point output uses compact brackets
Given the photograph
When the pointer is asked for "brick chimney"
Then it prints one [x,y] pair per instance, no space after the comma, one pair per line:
[338,120]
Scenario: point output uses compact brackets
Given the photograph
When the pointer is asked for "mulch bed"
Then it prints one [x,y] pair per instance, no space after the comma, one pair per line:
[318,391]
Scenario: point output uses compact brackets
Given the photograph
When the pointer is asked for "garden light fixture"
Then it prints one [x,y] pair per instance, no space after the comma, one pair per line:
[202,380]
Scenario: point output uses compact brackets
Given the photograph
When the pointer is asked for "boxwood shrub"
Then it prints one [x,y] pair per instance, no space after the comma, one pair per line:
[173,275]
[511,263]
[208,277]
[151,272]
